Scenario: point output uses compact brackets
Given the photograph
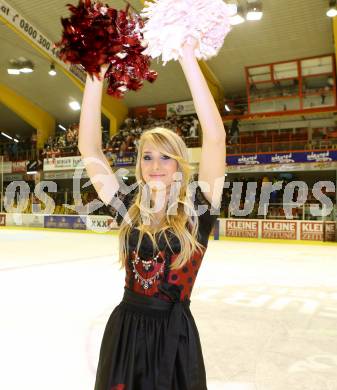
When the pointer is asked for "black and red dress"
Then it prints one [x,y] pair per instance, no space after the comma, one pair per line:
[151,341]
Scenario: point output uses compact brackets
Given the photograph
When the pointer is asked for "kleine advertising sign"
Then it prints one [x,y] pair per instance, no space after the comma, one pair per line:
[242,228]
[280,229]
[312,231]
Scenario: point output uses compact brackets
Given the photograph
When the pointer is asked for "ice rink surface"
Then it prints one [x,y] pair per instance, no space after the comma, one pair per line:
[266,312]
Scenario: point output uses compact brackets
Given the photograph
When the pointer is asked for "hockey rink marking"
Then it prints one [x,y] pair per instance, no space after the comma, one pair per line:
[318,363]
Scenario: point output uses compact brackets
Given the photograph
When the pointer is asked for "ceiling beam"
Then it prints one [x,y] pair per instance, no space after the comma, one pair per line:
[42,121]
[213,82]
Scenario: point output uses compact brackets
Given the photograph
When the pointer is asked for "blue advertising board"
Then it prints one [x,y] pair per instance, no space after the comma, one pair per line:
[65,222]
[282,158]
[128,158]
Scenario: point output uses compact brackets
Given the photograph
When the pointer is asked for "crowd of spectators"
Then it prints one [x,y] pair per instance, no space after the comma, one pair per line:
[24,149]
[127,138]
[64,143]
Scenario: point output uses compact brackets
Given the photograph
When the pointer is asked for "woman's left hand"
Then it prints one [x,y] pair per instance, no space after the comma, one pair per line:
[188,49]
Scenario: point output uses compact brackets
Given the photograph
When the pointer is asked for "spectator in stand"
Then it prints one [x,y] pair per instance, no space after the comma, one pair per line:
[122,149]
[194,128]
[70,137]
[179,132]
[234,131]
[185,128]
[130,147]
[55,152]
[150,120]
[33,140]
[46,153]
[75,133]
[50,141]
[62,141]
[128,123]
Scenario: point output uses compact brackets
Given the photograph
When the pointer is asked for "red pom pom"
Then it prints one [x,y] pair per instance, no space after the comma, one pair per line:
[95,35]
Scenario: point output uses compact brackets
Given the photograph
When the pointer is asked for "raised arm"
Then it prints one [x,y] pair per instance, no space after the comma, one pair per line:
[90,141]
[213,151]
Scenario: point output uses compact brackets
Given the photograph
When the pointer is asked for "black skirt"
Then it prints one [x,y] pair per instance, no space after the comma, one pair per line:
[150,344]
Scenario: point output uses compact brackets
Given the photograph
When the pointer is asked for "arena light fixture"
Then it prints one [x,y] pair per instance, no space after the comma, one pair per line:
[13,71]
[13,68]
[27,67]
[6,135]
[227,108]
[238,18]
[254,11]
[74,105]
[52,70]
[332,11]
[62,127]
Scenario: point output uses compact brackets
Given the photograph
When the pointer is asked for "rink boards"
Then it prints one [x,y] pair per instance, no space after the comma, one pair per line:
[246,228]
[279,229]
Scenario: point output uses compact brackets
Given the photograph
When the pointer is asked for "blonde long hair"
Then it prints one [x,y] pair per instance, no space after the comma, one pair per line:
[170,144]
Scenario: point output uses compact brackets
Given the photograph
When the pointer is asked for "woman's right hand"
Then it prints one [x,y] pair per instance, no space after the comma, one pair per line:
[104,69]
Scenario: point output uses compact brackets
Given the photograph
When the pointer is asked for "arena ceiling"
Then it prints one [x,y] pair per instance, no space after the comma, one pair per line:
[289,29]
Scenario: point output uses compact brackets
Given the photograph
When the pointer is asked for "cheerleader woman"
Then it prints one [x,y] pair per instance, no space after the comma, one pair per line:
[151,341]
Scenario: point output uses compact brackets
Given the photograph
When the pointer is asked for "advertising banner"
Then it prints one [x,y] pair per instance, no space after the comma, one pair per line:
[62,163]
[19,166]
[65,222]
[280,229]
[27,220]
[14,177]
[242,228]
[283,158]
[329,231]
[126,159]
[181,108]
[247,162]
[101,223]
[6,166]
[312,231]
[318,166]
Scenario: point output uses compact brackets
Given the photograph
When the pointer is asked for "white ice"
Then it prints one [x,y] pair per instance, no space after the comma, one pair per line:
[266,313]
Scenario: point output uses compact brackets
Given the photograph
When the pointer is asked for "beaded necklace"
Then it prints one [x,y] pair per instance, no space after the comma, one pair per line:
[147,282]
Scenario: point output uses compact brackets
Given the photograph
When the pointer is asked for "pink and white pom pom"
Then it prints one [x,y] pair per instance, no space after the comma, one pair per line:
[170,22]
